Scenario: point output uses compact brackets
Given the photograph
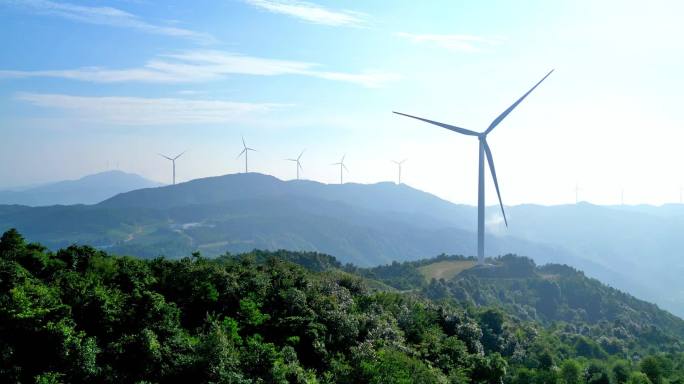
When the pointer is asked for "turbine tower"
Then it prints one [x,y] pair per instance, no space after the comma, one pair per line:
[483,151]
[399,164]
[342,167]
[245,151]
[173,161]
[298,163]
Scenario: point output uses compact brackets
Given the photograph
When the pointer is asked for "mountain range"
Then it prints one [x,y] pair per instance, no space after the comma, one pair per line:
[632,248]
[89,189]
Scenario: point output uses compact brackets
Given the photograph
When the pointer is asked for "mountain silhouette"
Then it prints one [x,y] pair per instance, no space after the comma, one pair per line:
[89,189]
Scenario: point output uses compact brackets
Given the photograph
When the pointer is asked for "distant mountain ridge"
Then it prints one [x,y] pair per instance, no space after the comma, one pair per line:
[367,224]
[384,196]
[89,189]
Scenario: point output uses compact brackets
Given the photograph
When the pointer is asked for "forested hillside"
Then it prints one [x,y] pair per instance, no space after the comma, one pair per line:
[81,315]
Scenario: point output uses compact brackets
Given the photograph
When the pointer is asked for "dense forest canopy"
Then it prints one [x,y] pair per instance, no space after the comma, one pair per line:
[82,315]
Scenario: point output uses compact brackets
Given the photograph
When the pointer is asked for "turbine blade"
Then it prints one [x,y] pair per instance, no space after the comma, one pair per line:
[343,156]
[166,157]
[447,126]
[291,159]
[243,142]
[243,151]
[300,166]
[512,107]
[181,154]
[345,167]
[490,160]
[300,155]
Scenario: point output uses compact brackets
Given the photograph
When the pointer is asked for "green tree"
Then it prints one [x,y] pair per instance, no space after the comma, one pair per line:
[639,378]
[652,368]
[596,373]
[621,372]
[571,372]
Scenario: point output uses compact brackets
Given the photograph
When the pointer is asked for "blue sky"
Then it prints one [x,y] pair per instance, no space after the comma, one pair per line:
[86,84]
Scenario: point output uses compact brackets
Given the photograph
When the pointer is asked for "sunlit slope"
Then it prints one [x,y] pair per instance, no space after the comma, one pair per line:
[445,269]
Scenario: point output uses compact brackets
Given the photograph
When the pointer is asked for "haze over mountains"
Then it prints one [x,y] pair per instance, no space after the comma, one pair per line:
[89,189]
[631,248]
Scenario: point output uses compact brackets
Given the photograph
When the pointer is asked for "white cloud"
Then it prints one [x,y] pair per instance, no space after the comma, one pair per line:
[148,111]
[108,16]
[202,66]
[463,43]
[310,12]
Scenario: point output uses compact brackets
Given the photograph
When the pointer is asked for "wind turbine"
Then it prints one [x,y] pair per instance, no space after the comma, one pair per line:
[299,164]
[173,161]
[483,151]
[399,164]
[342,167]
[245,150]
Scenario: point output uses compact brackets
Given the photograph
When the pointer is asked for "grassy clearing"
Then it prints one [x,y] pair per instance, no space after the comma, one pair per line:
[445,269]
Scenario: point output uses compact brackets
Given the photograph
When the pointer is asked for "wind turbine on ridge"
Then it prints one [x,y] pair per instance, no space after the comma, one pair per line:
[399,164]
[342,168]
[483,151]
[298,163]
[245,151]
[173,161]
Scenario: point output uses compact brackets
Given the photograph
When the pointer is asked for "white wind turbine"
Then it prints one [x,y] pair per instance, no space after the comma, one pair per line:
[483,151]
[245,151]
[173,161]
[342,168]
[399,164]
[298,163]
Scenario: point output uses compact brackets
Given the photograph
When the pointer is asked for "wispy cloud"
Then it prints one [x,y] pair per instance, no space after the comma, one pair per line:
[463,43]
[311,12]
[202,66]
[108,16]
[148,111]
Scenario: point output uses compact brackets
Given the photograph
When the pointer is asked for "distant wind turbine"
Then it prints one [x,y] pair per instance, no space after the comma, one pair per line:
[483,151]
[342,168]
[298,163]
[399,164]
[173,161]
[245,151]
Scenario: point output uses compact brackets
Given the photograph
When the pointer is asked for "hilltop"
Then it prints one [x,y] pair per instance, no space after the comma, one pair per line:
[546,294]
